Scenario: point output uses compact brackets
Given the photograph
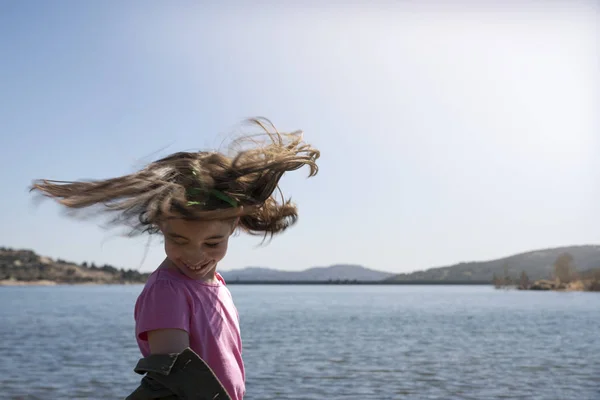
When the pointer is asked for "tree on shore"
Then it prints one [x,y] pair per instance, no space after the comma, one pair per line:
[497,281]
[524,282]
[595,281]
[507,279]
[564,268]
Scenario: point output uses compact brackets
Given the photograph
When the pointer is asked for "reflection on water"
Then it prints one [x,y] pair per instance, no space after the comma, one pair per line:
[315,342]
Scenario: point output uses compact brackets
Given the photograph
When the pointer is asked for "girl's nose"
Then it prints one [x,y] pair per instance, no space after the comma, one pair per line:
[193,256]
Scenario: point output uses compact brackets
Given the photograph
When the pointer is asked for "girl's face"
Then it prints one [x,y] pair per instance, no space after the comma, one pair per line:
[195,247]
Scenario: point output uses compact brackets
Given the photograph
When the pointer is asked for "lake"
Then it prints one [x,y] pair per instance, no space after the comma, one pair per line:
[321,342]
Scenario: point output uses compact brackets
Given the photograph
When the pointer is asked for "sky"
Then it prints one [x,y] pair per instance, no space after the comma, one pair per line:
[448,132]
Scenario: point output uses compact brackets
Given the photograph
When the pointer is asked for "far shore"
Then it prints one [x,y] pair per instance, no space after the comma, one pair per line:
[12,282]
[579,285]
[239,282]
[542,285]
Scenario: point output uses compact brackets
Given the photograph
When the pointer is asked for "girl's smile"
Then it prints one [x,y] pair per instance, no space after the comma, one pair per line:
[198,268]
[195,266]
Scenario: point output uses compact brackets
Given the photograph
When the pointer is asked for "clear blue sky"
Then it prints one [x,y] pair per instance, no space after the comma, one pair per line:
[447,134]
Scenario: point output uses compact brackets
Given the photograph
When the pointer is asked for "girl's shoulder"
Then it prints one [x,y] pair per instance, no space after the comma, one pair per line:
[164,283]
[165,292]
[172,287]
[162,274]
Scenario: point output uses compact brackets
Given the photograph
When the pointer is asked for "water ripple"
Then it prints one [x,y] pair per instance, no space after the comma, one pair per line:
[303,342]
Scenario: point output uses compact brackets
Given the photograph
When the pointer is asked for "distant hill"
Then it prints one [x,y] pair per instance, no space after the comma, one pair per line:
[334,272]
[537,264]
[23,266]
[26,266]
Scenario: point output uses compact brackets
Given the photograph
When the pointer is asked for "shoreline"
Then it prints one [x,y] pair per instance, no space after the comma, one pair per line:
[12,282]
[542,285]
[234,282]
[579,285]
[45,282]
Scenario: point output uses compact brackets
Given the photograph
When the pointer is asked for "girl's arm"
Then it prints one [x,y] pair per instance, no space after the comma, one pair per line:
[168,341]
[177,376]
[173,371]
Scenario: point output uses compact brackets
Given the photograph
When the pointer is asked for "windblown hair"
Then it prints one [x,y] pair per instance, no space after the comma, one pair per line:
[200,186]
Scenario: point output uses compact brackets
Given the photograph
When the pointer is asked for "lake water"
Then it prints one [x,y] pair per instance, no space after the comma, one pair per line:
[321,342]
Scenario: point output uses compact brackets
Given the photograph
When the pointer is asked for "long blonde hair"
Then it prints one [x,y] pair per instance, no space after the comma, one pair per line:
[200,186]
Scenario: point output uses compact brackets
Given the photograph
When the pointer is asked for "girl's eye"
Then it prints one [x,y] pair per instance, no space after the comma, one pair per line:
[178,242]
[212,245]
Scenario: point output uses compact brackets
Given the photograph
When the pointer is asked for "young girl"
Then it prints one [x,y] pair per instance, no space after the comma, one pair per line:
[185,316]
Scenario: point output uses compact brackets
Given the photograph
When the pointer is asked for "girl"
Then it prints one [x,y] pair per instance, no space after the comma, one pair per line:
[187,327]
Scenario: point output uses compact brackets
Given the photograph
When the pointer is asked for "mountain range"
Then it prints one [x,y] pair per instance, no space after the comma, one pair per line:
[538,264]
[334,272]
[27,266]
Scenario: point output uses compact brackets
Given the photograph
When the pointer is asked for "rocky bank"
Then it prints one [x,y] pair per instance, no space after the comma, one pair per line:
[25,267]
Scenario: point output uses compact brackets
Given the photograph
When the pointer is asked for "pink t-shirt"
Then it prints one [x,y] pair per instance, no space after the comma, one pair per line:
[206,311]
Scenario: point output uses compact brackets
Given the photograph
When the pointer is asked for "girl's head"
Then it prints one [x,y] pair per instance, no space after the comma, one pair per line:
[196,247]
[197,199]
